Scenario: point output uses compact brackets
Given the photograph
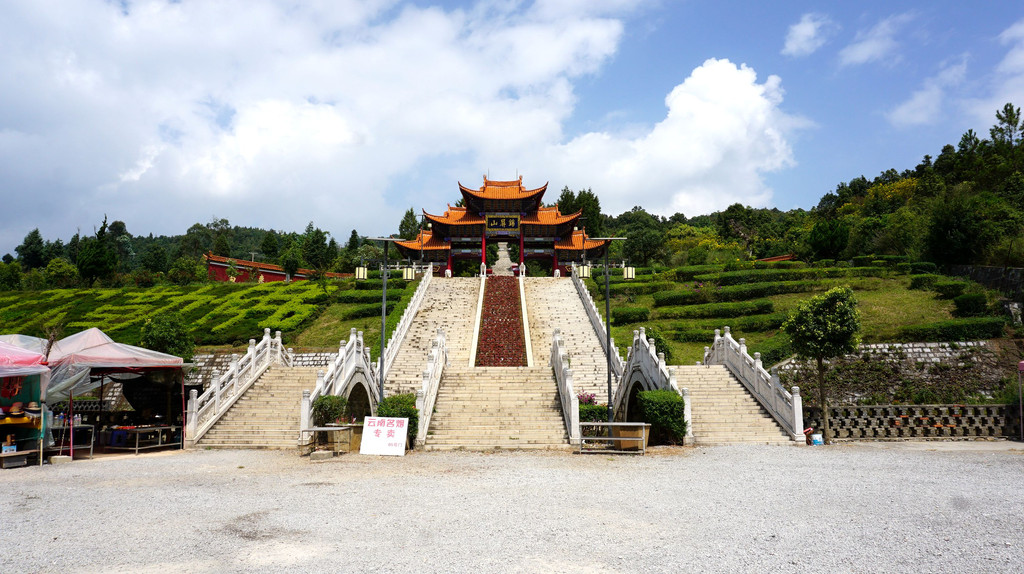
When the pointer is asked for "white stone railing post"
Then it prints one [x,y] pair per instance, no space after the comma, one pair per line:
[798,413]
[216,390]
[234,368]
[190,420]
[687,415]
[304,414]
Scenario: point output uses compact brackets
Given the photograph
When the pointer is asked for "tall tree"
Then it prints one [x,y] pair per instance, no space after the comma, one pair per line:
[409,226]
[269,245]
[32,251]
[353,242]
[825,327]
[96,260]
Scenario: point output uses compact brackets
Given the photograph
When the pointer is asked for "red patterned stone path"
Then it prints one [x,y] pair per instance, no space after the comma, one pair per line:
[501,342]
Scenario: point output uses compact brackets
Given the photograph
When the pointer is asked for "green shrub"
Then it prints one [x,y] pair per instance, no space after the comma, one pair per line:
[626,315]
[950,289]
[863,260]
[328,409]
[904,268]
[923,267]
[717,310]
[924,281]
[970,305]
[593,413]
[660,344]
[968,329]
[664,411]
[401,406]
[825,263]
[168,333]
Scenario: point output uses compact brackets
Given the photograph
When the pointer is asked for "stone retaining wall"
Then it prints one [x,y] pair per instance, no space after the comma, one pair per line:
[918,421]
[205,363]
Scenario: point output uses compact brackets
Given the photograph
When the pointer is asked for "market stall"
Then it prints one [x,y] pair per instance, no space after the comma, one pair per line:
[151,382]
[23,384]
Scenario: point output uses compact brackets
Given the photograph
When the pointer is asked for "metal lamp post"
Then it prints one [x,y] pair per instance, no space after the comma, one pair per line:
[1020,401]
[383,310]
[607,322]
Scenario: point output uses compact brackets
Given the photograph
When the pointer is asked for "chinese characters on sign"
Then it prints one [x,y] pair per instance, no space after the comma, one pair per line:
[502,223]
[384,436]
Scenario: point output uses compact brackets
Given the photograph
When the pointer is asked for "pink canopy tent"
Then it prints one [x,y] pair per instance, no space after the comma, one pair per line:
[28,366]
[74,359]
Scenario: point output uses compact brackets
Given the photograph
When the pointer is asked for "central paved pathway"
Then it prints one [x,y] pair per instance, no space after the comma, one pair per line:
[503,268]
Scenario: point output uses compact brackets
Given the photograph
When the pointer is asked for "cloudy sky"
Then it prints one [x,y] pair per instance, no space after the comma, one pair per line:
[346,113]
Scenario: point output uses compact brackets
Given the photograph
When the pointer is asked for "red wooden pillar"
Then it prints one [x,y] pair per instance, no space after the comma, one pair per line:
[521,254]
[554,262]
[450,260]
[483,247]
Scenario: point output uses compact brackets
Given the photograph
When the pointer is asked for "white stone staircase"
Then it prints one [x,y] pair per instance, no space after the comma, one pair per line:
[497,407]
[449,304]
[267,415]
[552,303]
[723,412]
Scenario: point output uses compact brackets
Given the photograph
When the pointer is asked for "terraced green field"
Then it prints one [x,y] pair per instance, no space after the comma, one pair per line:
[685,305]
[219,313]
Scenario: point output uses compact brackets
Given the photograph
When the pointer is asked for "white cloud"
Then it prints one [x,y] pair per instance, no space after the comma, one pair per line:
[875,44]
[925,105]
[722,132]
[345,113]
[806,36]
[1006,83]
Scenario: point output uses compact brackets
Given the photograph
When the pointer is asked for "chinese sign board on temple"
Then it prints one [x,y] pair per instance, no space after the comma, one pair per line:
[384,436]
[499,223]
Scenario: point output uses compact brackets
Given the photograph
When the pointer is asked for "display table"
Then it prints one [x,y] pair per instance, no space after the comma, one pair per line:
[142,438]
[62,434]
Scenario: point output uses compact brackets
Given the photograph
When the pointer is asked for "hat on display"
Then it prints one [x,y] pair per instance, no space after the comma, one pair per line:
[33,409]
[15,410]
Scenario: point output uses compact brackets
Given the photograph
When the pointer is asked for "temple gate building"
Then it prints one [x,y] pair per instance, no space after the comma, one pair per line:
[503,211]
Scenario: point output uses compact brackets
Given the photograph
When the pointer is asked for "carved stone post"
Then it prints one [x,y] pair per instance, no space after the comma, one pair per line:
[234,369]
[304,418]
[687,416]
[798,416]
[190,421]
[215,381]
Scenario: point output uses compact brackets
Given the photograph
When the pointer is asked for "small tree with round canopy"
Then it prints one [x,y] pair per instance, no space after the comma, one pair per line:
[824,327]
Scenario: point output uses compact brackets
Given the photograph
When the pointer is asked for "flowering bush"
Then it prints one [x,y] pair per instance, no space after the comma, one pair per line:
[587,398]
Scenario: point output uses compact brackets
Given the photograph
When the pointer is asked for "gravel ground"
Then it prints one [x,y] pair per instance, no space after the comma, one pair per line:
[845,508]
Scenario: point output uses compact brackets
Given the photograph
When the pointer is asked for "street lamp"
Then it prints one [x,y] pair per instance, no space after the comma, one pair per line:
[1020,401]
[607,321]
[383,308]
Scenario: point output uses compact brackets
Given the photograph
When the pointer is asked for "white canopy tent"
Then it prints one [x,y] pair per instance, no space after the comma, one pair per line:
[73,358]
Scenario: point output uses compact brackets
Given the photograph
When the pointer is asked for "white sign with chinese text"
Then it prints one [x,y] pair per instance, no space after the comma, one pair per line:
[383,435]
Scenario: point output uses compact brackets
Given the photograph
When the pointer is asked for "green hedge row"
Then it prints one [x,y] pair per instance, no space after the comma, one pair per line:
[762,275]
[367,296]
[635,288]
[665,411]
[369,310]
[950,289]
[970,329]
[719,310]
[626,315]
[924,281]
[735,292]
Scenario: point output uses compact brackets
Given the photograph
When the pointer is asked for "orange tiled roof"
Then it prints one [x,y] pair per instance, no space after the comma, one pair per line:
[549,216]
[430,243]
[579,241]
[243,264]
[456,216]
[492,189]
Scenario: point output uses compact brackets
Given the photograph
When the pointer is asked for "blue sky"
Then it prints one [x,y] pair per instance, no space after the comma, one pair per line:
[346,113]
